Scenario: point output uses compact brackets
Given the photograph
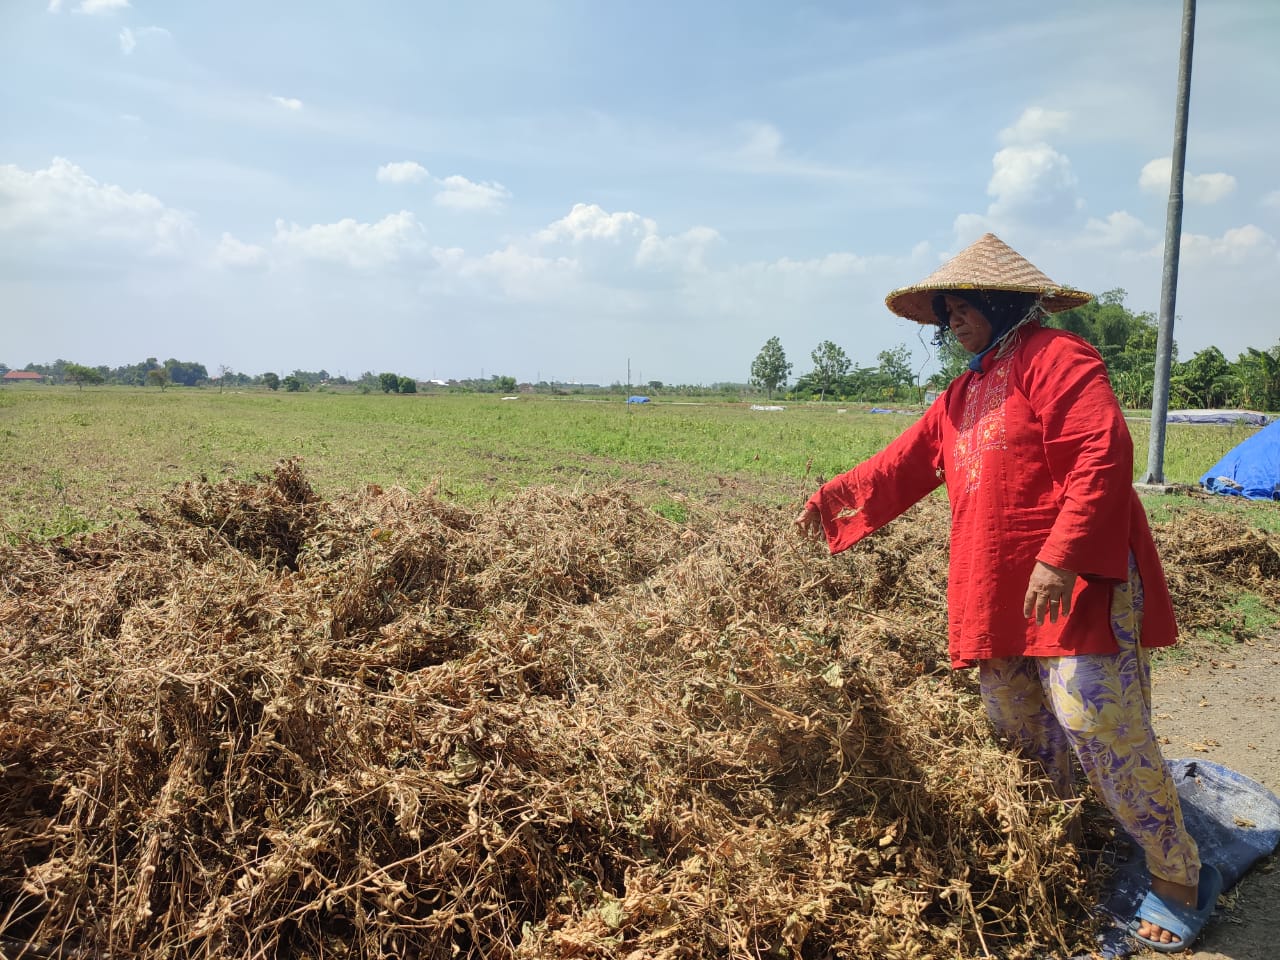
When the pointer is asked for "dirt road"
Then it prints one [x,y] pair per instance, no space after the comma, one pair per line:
[1227,710]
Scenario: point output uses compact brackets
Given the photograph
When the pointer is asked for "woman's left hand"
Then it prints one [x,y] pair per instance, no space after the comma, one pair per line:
[1048,592]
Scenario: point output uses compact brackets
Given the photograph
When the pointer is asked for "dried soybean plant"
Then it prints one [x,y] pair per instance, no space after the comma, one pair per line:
[260,724]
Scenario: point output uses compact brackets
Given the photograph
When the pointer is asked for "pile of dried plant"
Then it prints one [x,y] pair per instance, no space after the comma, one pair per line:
[1211,557]
[262,724]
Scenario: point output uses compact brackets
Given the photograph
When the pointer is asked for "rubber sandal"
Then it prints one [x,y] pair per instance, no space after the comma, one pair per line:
[1185,923]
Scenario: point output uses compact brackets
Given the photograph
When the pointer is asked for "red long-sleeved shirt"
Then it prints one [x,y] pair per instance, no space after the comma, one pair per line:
[1038,465]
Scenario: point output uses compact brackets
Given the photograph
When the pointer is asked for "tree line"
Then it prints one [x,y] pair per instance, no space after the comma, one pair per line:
[1125,339]
[151,373]
[835,376]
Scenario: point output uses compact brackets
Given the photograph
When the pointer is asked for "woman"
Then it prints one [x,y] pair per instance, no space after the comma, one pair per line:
[1054,577]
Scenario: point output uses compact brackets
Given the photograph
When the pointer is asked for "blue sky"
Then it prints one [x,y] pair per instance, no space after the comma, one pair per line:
[554,190]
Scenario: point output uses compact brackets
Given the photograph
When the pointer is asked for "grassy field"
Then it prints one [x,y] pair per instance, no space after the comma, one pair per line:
[73,459]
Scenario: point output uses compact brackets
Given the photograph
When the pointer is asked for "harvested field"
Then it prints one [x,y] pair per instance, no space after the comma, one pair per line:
[259,723]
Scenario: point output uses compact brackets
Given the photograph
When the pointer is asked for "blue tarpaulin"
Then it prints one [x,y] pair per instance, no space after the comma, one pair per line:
[1251,469]
[1251,417]
[1235,822]
[637,399]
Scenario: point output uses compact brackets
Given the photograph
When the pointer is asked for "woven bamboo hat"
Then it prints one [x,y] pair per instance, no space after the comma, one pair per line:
[986,264]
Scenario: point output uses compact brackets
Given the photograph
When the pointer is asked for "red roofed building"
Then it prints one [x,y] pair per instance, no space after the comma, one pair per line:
[23,375]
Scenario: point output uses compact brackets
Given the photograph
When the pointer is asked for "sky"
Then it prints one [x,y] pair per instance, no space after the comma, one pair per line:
[604,191]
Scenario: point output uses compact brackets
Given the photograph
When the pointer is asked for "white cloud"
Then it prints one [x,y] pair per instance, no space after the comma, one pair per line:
[618,243]
[967,228]
[1196,187]
[1035,126]
[63,206]
[831,265]
[520,274]
[289,103]
[1118,229]
[102,6]
[819,296]
[1272,200]
[590,221]
[1031,182]
[402,171]
[456,192]
[588,256]
[1209,187]
[762,151]
[129,38]
[1237,245]
[459,193]
[1031,179]
[231,252]
[686,250]
[396,238]
[55,6]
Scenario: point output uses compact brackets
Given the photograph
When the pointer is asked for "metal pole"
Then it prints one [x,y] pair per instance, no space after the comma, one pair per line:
[1172,246]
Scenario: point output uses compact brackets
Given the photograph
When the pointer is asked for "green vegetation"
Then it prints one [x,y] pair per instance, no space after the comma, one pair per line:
[770,369]
[833,375]
[1262,514]
[830,363]
[80,375]
[77,458]
[1127,342]
[1249,615]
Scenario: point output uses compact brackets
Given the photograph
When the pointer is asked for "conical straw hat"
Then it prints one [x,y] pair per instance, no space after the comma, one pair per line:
[986,264]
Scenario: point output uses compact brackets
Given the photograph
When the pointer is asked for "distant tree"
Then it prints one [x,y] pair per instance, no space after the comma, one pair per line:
[505,384]
[390,382]
[133,374]
[954,359]
[770,368]
[1126,340]
[223,372]
[158,378]
[830,363]
[1206,379]
[895,369]
[271,381]
[80,375]
[311,378]
[186,373]
[655,385]
[293,384]
[1258,372]
[407,385]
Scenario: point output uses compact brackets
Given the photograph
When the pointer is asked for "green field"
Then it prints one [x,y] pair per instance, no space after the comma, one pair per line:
[75,459]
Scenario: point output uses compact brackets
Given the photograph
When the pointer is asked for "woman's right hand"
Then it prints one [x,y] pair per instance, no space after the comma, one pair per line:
[809,523]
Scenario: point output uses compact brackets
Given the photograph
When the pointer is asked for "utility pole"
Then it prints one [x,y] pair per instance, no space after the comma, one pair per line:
[1172,248]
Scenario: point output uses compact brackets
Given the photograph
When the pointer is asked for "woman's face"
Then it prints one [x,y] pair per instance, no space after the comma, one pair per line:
[968,323]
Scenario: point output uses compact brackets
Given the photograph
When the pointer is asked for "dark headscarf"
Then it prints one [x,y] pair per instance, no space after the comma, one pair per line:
[1004,310]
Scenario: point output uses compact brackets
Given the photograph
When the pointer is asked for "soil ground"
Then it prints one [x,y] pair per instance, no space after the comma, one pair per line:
[1226,709]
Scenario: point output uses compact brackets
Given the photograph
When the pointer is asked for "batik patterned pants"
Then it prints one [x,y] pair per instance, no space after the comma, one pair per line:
[1097,707]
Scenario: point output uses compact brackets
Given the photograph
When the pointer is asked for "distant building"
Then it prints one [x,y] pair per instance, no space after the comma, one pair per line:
[22,376]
